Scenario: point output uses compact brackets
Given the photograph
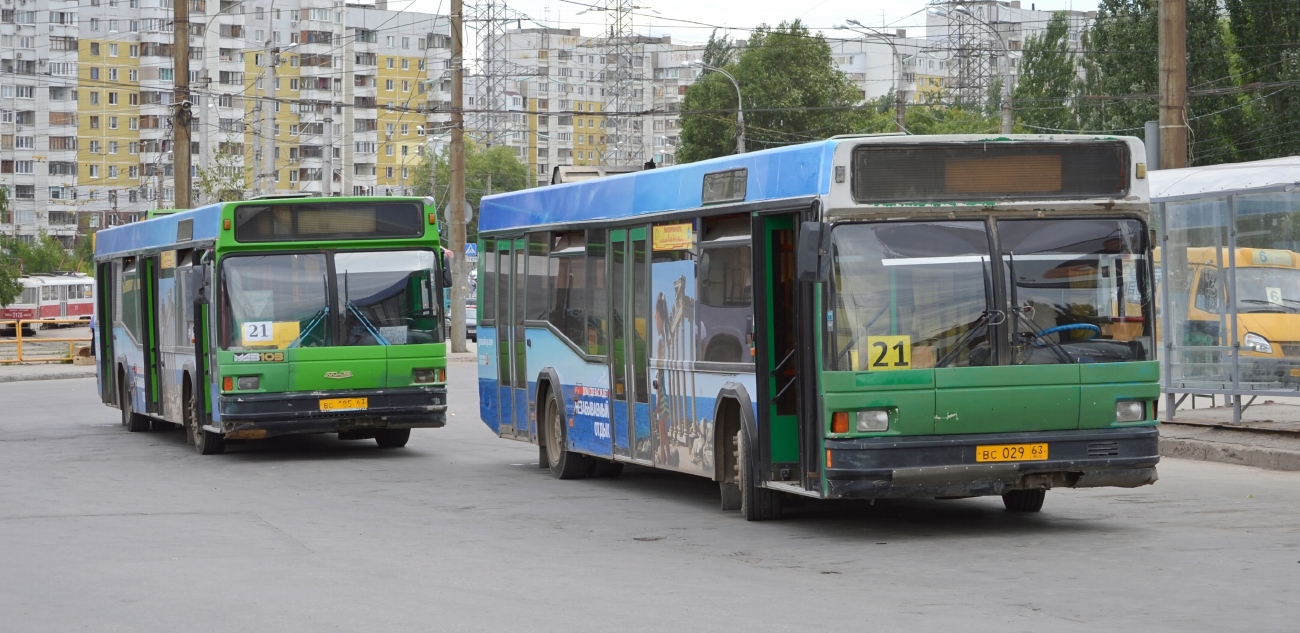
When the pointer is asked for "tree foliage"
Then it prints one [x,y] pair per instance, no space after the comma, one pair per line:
[1267,35]
[497,166]
[792,93]
[1045,95]
[1120,60]
[224,178]
[9,287]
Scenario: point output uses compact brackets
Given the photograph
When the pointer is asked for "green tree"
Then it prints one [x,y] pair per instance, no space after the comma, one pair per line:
[224,178]
[934,119]
[9,263]
[1267,35]
[1044,93]
[1120,61]
[496,167]
[792,93]
[719,52]
[43,254]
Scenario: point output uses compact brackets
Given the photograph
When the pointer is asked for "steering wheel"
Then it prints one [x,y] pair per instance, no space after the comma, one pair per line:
[1096,331]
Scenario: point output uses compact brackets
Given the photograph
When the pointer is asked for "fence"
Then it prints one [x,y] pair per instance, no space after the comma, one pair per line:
[30,349]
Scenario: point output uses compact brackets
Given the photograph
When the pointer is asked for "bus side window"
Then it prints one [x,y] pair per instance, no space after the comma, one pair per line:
[129,306]
[1208,293]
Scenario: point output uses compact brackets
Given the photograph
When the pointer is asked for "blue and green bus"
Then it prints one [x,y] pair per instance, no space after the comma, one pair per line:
[252,319]
[862,317]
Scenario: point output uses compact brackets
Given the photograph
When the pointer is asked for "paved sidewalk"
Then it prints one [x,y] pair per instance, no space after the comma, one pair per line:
[1268,435]
[44,371]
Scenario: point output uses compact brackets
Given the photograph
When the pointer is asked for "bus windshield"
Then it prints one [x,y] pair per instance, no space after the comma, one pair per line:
[911,295]
[282,301]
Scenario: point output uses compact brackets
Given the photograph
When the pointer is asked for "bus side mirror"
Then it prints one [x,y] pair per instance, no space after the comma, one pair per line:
[446,272]
[812,255]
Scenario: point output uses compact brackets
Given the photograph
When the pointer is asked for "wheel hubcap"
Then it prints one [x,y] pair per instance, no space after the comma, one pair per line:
[554,425]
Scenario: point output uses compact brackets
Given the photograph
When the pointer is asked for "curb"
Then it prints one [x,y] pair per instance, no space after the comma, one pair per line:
[60,376]
[1268,458]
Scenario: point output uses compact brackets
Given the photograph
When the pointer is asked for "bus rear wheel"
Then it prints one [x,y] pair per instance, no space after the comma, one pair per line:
[564,464]
[392,438]
[756,503]
[1024,500]
[205,442]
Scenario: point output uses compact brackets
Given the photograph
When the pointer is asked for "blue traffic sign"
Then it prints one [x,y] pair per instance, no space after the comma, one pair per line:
[471,250]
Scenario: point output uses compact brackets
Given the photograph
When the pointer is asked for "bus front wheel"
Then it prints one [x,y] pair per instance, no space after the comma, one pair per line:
[564,464]
[756,503]
[1024,500]
[205,442]
[134,422]
[392,438]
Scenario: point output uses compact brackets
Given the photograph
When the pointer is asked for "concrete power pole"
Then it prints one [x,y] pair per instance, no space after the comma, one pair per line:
[1173,84]
[456,188]
[327,187]
[181,177]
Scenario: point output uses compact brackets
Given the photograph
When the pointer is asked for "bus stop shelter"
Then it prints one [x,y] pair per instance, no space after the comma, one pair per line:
[1228,280]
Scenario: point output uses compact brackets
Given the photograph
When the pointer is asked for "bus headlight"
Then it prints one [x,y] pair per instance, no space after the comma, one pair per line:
[1130,411]
[873,421]
[422,376]
[1256,343]
[248,383]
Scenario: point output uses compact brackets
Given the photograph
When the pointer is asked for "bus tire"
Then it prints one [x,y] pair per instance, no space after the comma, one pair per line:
[205,442]
[134,422]
[1024,500]
[392,438]
[564,464]
[604,469]
[756,503]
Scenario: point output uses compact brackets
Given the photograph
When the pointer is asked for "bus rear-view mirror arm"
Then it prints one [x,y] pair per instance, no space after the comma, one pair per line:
[812,257]
[446,272]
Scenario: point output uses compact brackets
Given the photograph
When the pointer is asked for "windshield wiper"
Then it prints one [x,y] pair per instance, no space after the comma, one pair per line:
[965,337]
[315,320]
[1021,318]
[1279,307]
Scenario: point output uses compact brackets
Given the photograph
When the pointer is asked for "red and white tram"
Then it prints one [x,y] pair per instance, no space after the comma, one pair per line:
[52,296]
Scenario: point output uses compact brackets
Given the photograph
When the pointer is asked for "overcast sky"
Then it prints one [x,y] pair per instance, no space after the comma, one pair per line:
[691,21]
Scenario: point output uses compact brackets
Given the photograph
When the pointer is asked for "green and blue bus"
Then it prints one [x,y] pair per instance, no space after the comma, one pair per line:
[252,319]
[863,317]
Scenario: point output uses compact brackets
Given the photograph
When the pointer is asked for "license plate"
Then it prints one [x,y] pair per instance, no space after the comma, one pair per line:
[1011,452]
[1295,373]
[344,404]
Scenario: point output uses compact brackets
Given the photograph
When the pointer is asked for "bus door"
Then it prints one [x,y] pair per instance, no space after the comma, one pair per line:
[621,349]
[636,332]
[784,353]
[62,294]
[510,359]
[149,332]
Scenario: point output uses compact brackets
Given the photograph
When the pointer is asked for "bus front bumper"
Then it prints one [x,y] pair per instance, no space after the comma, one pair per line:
[256,416]
[945,466]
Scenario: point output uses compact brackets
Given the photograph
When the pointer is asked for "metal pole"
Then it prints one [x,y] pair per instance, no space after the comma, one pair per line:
[1232,308]
[456,193]
[264,177]
[1007,118]
[181,121]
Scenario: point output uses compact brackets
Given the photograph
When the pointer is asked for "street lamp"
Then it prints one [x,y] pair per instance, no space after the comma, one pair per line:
[1006,74]
[896,68]
[740,107]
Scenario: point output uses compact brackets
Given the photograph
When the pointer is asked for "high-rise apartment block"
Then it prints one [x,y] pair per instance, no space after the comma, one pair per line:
[333,98]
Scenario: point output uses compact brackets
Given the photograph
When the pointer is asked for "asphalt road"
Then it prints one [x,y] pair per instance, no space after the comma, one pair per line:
[105,530]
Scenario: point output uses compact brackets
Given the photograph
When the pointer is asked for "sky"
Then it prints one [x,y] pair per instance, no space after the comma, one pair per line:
[691,21]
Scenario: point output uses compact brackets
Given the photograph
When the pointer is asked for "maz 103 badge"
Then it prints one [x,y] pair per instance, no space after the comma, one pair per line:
[593,403]
[259,357]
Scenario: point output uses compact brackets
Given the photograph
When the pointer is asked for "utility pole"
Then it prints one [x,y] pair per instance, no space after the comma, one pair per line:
[900,109]
[456,190]
[1172,43]
[181,178]
[327,188]
[266,182]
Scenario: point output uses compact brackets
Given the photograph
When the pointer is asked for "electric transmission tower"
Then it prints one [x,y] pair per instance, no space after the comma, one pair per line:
[623,85]
[971,70]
